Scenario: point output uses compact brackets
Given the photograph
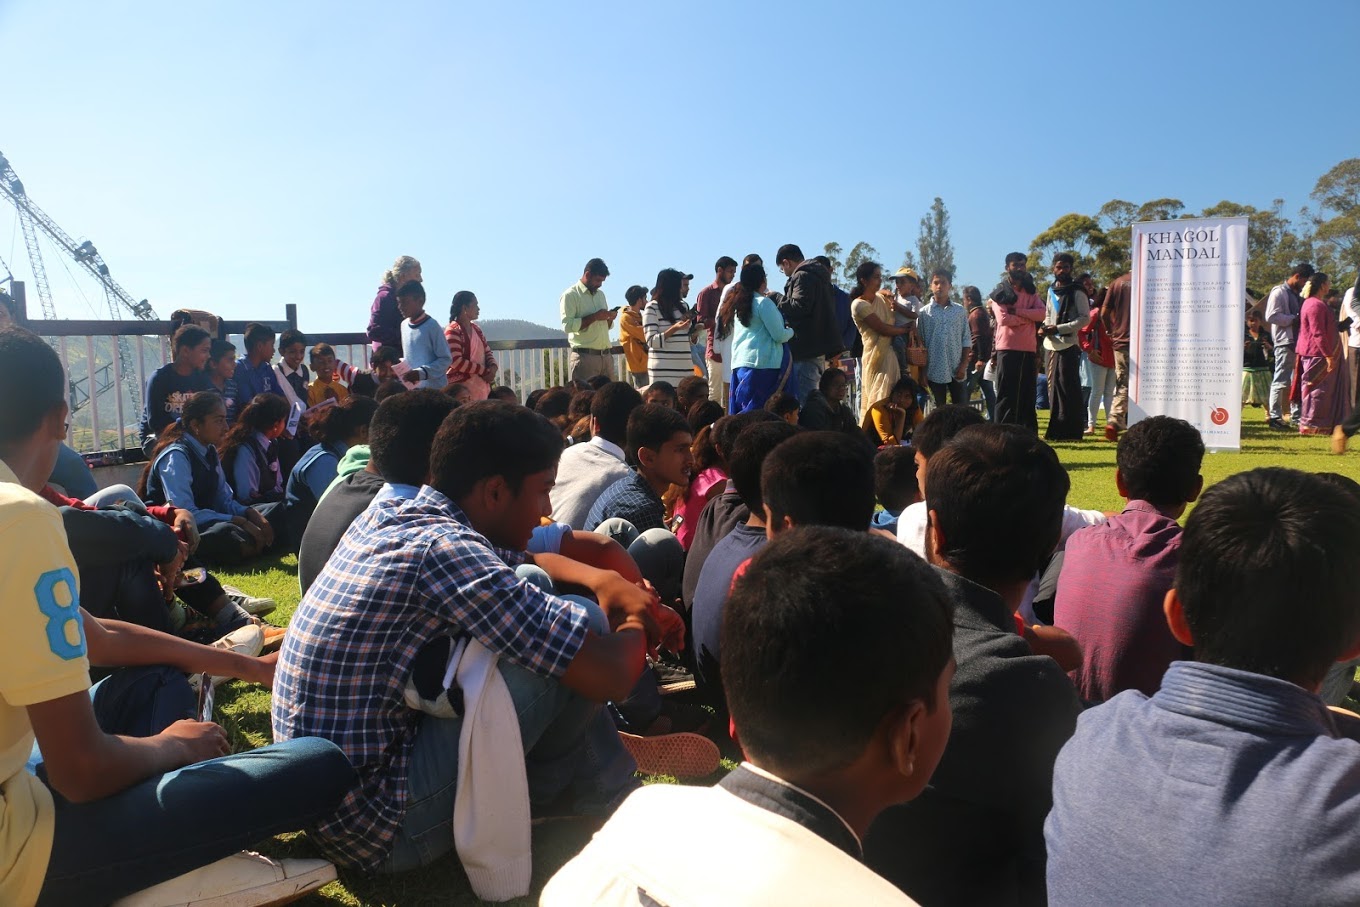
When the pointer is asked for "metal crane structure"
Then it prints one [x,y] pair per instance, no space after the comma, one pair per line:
[31,219]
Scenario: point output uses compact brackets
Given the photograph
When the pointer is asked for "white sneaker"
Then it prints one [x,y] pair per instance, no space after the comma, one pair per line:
[248,640]
[256,607]
[243,879]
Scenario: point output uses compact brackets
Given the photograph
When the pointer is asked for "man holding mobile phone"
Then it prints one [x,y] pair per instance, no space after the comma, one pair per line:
[586,317]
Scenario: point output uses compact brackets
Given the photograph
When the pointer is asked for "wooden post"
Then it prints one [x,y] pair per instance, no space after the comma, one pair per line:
[290,314]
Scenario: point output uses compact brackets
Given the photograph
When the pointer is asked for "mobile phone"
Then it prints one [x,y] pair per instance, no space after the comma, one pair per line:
[616,308]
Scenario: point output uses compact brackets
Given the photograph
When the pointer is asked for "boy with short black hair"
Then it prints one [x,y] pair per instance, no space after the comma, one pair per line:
[995,501]
[823,478]
[291,374]
[126,799]
[934,432]
[785,406]
[586,470]
[426,348]
[895,486]
[173,384]
[254,371]
[325,386]
[1115,576]
[399,439]
[658,445]
[1234,763]
[836,650]
[439,565]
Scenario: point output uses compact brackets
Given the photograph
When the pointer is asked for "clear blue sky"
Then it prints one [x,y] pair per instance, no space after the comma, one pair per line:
[237,156]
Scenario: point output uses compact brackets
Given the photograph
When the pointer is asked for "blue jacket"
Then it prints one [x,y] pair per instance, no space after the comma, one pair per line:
[761,343]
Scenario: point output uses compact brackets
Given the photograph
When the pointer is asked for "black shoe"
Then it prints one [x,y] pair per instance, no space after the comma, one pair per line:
[1278,425]
[672,678]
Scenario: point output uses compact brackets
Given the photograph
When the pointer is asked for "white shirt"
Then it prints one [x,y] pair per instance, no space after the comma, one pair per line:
[758,858]
[1349,309]
[584,471]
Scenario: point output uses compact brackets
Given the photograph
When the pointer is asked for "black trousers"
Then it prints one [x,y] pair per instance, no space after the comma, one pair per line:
[957,391]
[1067,421]
[1015,372]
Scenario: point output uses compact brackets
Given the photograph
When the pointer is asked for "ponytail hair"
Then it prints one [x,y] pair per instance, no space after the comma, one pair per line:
[744,295]
[863,274]
[262,413]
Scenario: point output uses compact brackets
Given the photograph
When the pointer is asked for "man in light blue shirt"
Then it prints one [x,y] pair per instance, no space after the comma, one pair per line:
[944,330]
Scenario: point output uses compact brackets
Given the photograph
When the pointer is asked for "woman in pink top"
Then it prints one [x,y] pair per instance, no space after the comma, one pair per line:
[473,366]
[710,475]
[1319,380]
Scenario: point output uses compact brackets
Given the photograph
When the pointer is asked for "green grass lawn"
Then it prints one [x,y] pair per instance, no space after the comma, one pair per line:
[244,710]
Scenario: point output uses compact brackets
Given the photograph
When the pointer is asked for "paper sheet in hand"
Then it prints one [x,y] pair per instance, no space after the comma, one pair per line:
[294,416]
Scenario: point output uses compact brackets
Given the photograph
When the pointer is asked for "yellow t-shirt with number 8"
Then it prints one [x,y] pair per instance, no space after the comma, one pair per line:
[42,657]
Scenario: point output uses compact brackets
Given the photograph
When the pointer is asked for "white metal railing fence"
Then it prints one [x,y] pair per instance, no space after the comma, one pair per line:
[107,400]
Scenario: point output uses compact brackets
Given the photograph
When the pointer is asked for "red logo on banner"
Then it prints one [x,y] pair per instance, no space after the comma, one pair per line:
[1219,416]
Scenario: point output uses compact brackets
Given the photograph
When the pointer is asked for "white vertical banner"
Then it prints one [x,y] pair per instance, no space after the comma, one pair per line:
[1186,322]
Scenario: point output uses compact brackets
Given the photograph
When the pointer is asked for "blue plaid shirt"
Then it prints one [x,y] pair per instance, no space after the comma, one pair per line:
[632,499]
[405,573]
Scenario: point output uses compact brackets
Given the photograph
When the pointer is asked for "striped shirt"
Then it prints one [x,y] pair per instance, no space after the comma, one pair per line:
[405,573]
[668,358]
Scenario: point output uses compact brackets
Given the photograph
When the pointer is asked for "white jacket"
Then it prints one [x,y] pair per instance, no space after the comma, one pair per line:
[719,851]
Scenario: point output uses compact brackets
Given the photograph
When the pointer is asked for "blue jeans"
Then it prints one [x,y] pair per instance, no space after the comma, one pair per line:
[657,552]
[570,744]
[1280,382]
[173,823]
[988,393]
[807,375]
[643,704]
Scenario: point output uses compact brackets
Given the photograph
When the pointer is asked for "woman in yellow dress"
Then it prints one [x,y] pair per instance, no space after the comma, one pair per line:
[873,316]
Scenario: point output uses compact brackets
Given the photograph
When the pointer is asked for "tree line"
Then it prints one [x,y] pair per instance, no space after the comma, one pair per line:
[1325,232]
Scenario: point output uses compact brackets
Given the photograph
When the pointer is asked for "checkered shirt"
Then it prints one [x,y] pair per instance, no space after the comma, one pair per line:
[406,572]
[632,499]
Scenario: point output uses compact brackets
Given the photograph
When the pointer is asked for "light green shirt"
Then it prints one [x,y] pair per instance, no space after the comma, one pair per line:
[577,303]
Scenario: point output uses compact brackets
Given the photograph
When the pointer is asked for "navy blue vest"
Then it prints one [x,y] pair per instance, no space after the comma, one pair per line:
[269,489]
[203,477]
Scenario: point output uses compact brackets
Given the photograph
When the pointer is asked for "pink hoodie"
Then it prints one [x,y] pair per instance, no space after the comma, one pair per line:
[1015,329]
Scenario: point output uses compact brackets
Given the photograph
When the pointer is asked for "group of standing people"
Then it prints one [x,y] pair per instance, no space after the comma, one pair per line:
[1309,369]
[754,344]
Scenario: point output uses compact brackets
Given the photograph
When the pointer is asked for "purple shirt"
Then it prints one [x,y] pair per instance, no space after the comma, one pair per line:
[1114,580]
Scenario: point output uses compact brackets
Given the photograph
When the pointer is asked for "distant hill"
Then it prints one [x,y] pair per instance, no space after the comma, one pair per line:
[516,329]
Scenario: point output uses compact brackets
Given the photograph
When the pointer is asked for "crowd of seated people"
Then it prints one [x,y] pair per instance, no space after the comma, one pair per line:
[941,682]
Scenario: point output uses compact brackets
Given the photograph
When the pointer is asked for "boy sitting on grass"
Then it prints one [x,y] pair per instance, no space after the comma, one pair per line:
[124,790]
[1115,576]
[1233,783]
[836,654]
